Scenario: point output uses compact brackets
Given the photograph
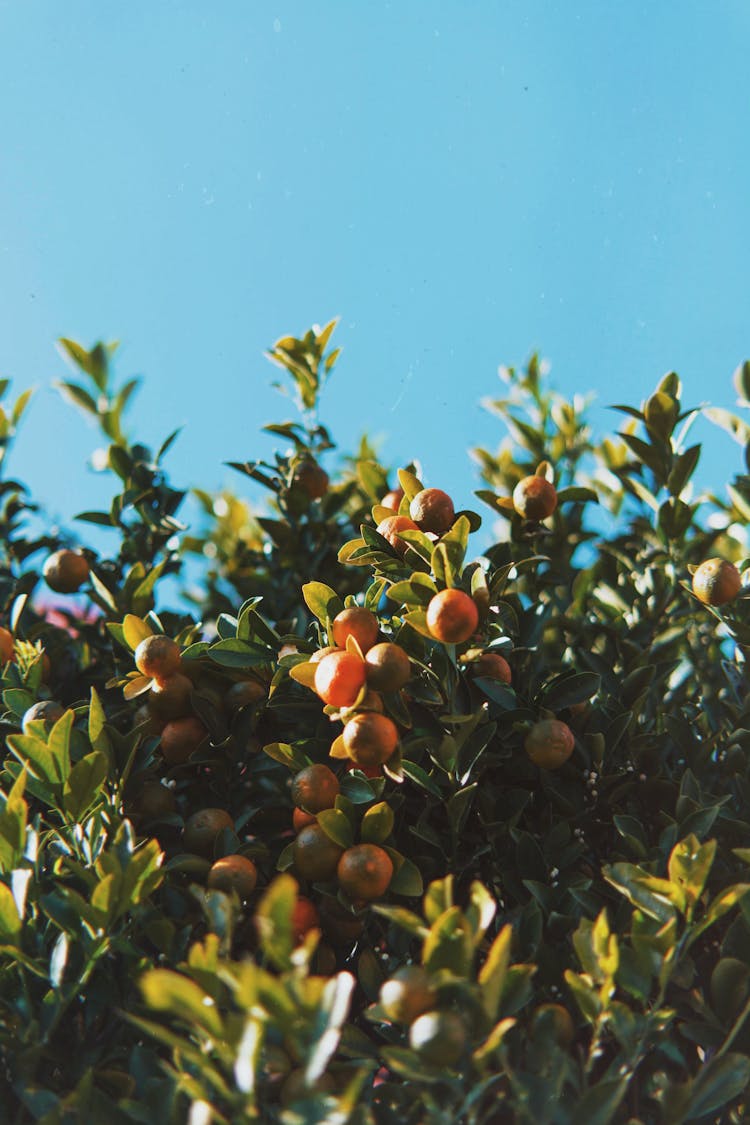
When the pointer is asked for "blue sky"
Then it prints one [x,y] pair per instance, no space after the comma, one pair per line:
[461,183]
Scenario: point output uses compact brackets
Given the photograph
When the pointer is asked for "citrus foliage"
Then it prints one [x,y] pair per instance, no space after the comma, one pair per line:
[393,830]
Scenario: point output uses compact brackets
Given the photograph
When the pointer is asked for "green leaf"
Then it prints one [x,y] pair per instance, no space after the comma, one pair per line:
[493,973]
[167,991]
[135,630]
[273,919]
[407,878]
[656,897]
[322,601]
[567,689]
[377,823]
[337,827]
[289,756]
[719,1081]
[449,944]
[689,866]
[83,786]
[585,996]
[326,1032]
[10,922]
[600,1102]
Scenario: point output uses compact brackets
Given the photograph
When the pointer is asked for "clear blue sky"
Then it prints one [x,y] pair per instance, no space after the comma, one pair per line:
[462,183]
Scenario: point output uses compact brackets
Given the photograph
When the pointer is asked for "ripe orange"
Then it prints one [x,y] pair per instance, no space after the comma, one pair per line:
[389,528]
[549,743]
[438,1037]
[534,498]
[311,478]
[393,499]
[407,994]
[315,788]
[388,667]
[318,656]
[244,694]
[234,873]
[169,698]
[339,677]
[364,872]
[47,710]
[316,856]
[370,738]
[202,830]
[716,582]
[180,738]
[66,571]
[368,771]
[300,819]
[357,622]
[157,656]
[452,617]
[493,666]
[433,510]
[6,646]
[304,917]
[552,1021]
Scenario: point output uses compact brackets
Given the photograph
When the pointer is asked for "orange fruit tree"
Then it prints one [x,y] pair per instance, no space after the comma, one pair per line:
[288,840]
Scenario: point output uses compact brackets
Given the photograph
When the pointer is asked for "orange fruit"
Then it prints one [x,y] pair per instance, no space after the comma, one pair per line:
[315,788]
[407,994]
[433,510]
[153,800]
[492,666]
[534,498]
[389,528]
[169,698]
[438,1037]
[364,872]
[370,738]
[65,571]
[311,478]
[180,738]
[368,771]
[316,856]
[393,499]
[157,656]
[549,743]
[452,617]
[304,917]
[552,1021]
[6,646]
[244,694]
[716,582]
[318,656]
[339,678]
[47,710]
[233,873]
[300,819]
[202,830]
[388,667]
[357,622]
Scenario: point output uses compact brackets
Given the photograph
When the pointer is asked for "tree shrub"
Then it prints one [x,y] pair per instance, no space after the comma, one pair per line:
[484,860]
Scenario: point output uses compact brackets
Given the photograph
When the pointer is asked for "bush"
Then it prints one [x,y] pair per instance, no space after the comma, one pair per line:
[513,886]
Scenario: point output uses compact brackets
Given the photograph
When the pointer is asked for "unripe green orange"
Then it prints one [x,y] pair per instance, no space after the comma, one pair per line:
[203,828]
[438,1037]
[234,873]
[407,994]
[549,743]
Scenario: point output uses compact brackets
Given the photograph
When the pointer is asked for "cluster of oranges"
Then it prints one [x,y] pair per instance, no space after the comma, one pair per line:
[168,704]
[363,871]
[350,676]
